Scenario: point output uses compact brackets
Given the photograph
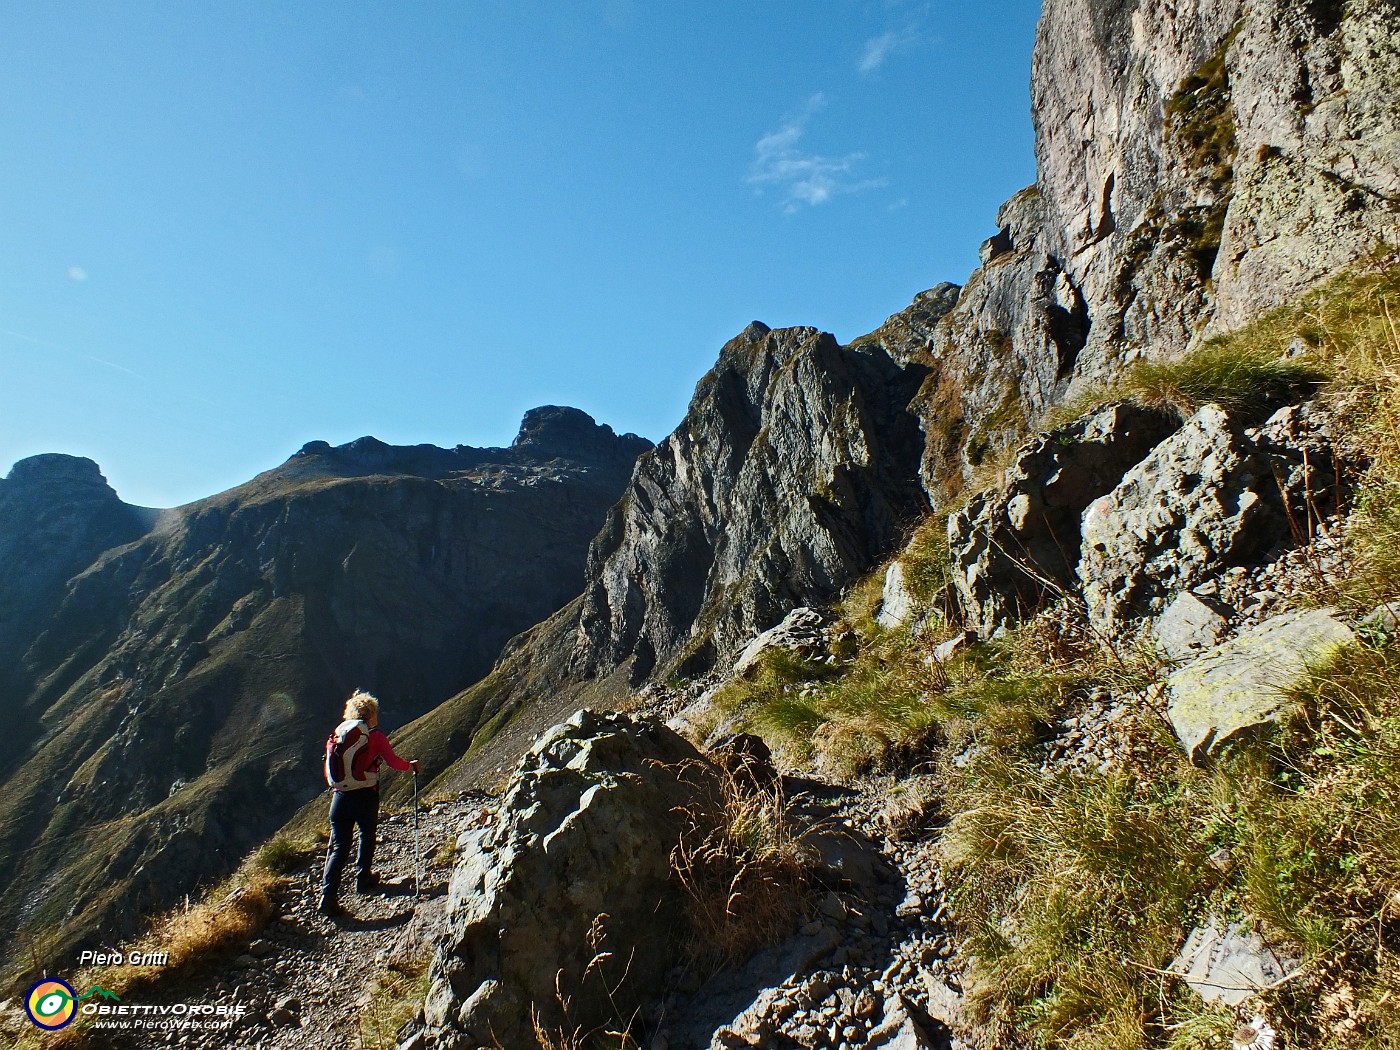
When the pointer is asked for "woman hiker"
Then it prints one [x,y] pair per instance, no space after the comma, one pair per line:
[353,756]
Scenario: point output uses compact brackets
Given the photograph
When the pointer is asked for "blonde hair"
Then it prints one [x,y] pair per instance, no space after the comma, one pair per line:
[361,706]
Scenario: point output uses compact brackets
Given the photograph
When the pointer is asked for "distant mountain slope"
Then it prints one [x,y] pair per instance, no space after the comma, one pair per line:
[173,705]
[57,516]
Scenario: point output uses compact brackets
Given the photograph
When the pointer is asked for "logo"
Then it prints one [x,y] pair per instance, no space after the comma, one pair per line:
[52,1004]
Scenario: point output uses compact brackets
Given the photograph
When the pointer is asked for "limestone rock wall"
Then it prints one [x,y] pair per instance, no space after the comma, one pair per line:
[1201,162]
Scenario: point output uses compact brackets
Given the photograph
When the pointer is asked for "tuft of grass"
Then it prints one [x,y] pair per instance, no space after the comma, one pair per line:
[927,564]
[1071,891]
[1228,372]
[199,934]
[888,699]
[284,854]
[849,715]
[1359,327]
[747,870]
[1340,340]
[1327,832]
[395,995]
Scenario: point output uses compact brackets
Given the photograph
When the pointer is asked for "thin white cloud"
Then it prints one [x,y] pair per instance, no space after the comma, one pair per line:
[114,365]
[77,273]
[876,50]
[804,178]
[72,353]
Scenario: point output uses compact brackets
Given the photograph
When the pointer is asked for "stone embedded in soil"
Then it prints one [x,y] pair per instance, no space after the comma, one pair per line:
[1204,499]
[1189,626]
[1242,685]
[1228,966]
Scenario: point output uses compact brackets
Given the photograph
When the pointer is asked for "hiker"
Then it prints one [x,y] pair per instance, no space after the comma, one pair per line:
[353,756]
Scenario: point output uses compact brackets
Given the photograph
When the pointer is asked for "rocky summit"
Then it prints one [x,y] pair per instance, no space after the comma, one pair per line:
[1019,674]
[174,675]
[795,468]
[58,515]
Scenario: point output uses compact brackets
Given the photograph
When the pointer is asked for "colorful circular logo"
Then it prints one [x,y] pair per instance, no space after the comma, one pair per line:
[51,1003]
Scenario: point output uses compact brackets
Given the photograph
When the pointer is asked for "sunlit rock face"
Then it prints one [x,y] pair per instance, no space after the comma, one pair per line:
[1202,162]
[796,468]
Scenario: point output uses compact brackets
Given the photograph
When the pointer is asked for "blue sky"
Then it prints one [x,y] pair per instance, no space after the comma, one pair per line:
[229,229]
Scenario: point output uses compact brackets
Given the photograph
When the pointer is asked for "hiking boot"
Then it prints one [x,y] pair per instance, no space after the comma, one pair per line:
[367,884]
[328,905]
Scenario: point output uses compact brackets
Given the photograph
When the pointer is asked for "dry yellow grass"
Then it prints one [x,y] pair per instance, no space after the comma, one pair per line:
[746,866]
[194,935]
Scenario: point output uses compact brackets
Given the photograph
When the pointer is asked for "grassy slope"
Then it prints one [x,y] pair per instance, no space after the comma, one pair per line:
[1074,891]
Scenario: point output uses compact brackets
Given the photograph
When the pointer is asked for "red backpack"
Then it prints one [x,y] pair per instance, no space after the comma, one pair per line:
[343,747]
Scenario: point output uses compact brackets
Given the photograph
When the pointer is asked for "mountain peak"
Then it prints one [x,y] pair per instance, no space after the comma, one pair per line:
[755,331]
[558,430]
[57,468]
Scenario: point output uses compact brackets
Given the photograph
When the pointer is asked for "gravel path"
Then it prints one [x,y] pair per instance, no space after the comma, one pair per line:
[310,983]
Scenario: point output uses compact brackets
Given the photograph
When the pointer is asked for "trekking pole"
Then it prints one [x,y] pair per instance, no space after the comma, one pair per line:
[417,854]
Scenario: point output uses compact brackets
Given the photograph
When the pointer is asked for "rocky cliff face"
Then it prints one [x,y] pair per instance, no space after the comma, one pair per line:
[57,516]
[176,695]
[795,469]
[1198,164]
[1202,162]
[999,351]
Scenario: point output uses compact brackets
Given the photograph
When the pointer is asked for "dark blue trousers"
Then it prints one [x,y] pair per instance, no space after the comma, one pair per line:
[350,810]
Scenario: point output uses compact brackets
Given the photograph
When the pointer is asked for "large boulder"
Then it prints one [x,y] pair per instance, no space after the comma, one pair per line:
[1242,685]
[1015,544]
[802,633]
[1204,499]
[576,866]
